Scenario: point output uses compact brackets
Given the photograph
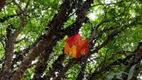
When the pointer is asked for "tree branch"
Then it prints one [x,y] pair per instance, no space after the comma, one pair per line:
[47,41]
[74,29]
[126,61]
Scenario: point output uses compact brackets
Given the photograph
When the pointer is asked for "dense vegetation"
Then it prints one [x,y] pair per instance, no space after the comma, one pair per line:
[32,35]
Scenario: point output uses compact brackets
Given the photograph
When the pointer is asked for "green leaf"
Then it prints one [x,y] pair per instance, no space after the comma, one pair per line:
[139,66]
[110,76]
[131,72]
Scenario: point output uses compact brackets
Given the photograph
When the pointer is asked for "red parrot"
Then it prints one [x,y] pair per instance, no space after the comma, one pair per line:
[75,46]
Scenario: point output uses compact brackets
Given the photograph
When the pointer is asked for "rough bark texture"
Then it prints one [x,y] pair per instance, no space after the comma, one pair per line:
[46,41]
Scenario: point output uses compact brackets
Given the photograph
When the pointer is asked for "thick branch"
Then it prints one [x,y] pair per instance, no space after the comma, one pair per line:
[41,64]
[21,55]
[81,17]
[46,41]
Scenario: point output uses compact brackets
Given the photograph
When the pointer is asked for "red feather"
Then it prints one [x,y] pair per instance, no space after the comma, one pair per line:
[75,46]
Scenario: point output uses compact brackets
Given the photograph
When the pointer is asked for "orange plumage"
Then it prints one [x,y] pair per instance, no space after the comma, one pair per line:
[75,46]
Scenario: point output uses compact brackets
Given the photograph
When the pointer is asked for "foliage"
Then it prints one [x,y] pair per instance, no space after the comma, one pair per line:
[33,32]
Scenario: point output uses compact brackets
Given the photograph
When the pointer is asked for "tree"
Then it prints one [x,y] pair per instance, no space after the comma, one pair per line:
[33,33]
